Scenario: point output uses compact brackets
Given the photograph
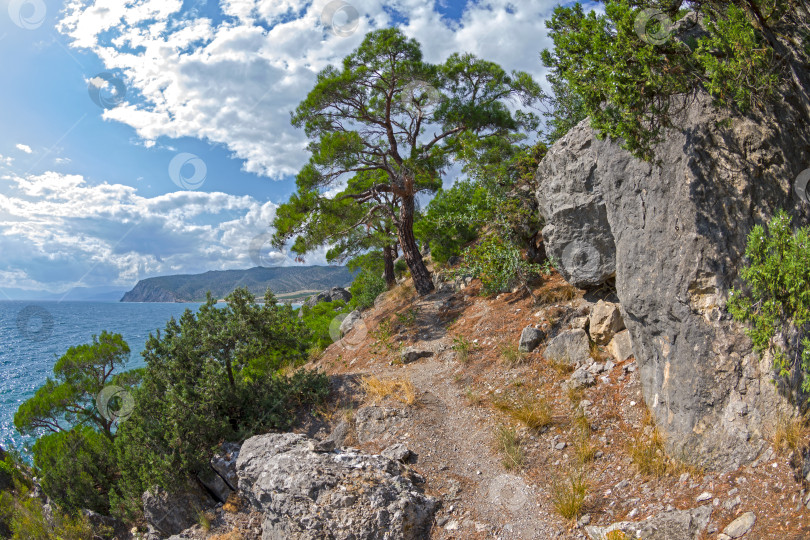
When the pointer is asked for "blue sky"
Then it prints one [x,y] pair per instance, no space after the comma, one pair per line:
[95,196]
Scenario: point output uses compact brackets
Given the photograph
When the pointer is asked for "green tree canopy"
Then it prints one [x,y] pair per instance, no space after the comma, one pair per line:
[390,113]
[632,68]
[218,374]
[69,398]
[348,226]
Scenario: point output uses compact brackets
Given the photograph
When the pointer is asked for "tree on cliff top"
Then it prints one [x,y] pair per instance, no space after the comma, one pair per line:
[69,399]
[632,68]
[350,227]
[389,112]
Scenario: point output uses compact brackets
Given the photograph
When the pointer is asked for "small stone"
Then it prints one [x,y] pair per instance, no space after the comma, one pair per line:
[559,446]
[598,454]
[397,452]
[530,338]
[633,513]
[740,526]
[412,354]
[452,526]
[683,478]
[581,378]
[623,484]
[731,504]
[722,536]
[321,446]
[705,496]
[584,520]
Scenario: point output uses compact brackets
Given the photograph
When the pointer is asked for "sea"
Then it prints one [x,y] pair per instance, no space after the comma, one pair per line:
[34,334]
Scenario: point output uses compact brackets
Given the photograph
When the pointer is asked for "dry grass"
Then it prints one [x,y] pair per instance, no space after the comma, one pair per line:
[404,292]
[532,411]
[568,494]
[463,348]
[561,293]
[233,504]
[378,389]
[507,442]
[616,535]
[789,433]
[583,446]
[575,396]
[562,366]
[233,535]
[512,356]
[596,352]
[473,397]
[204,519]
[648,453]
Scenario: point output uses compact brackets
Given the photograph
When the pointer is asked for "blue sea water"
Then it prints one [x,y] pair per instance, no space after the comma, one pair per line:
[34,334]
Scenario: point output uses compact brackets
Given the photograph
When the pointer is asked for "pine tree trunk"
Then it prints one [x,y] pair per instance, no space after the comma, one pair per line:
[388,257]
[419,272]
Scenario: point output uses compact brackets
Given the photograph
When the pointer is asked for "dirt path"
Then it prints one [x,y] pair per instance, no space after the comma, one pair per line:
[454,441]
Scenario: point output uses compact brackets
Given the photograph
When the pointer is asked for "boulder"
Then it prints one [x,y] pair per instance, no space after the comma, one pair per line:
[674,234]
[621,346]
[570,347]
[412,354]
[581,378]
[105,526]
[374,422]
[530,338]
[309,495]
[339,433]
[740,526]
[397,452]
[680,524]
[332,295]
[348,323]
[605,321]
[215,485]
[224,463]
[171,513]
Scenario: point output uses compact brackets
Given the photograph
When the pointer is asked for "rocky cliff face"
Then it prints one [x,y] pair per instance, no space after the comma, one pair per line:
[674,236]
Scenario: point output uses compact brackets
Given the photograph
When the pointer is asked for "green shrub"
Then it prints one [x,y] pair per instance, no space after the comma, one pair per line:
[630,85]
[453,218]
[318,320]
[776,296]
[77,468]
[400,268]
[211,376]
[498,264]
[366,287]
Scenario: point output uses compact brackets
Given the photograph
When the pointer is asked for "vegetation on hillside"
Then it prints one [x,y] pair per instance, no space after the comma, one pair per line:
[392,123]
[633,67]
[775,298]
[384,128]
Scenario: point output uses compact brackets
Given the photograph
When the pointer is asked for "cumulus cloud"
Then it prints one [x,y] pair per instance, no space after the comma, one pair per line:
[57,230]
[24,148]
[235,81]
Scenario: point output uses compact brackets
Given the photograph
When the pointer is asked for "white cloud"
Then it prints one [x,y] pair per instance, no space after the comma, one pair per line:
[25,148]
[235,82]
[5,160]
[57,230]
[61,160]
